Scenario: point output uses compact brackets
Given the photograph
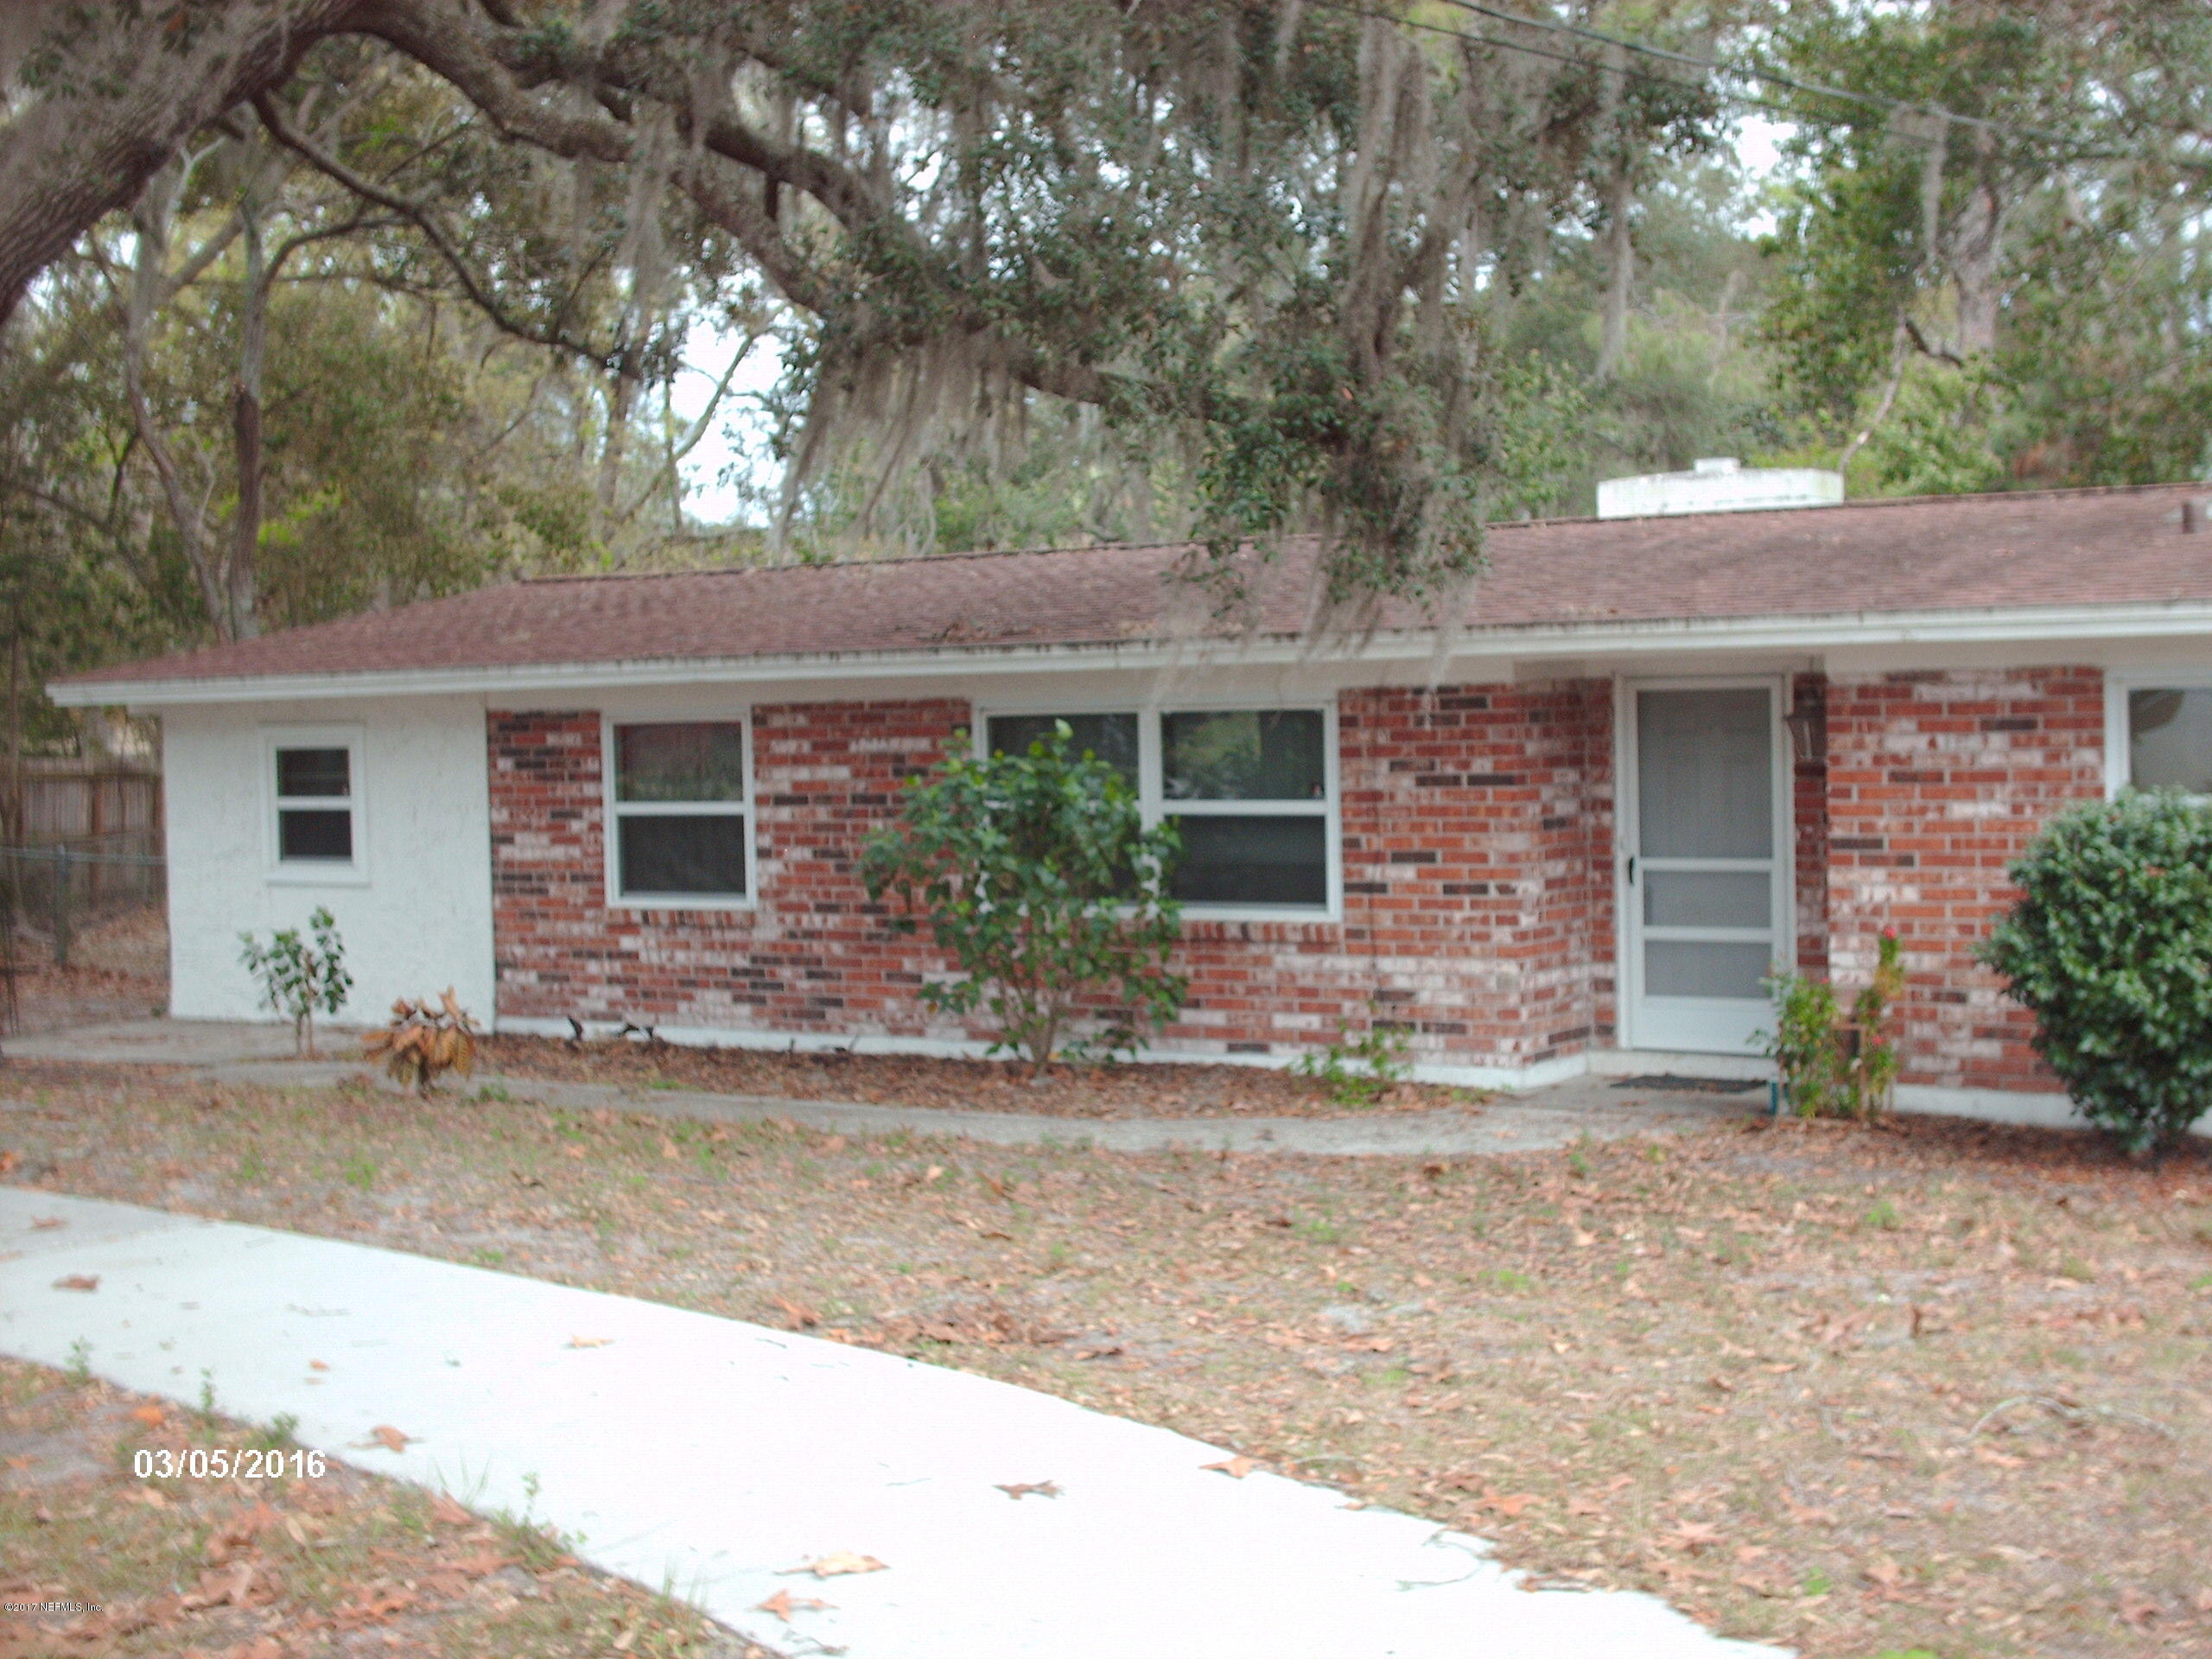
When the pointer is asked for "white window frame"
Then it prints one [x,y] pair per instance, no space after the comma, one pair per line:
[1151,802]
[316,872]
[613,811]
[2119,741]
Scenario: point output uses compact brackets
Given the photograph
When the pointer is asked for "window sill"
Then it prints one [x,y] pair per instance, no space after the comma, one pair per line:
[306,874]
[1261,928]
[679,901]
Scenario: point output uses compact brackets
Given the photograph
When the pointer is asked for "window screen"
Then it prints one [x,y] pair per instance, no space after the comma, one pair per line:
[680,819]
[315,804]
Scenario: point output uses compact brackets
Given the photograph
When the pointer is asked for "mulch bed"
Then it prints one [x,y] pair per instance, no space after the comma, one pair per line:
[1142,1090]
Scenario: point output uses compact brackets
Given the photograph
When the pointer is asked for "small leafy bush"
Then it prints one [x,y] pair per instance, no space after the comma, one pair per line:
[1036,875]
[425,1041]
[1831,1067]
[300,976]
[2110,947]
[1360,1067]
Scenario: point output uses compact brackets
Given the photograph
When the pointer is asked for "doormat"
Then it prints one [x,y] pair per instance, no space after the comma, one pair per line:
[1674,1084]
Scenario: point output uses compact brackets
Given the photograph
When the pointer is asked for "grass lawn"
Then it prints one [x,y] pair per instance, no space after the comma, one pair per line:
[272,1568]
[1939,1388]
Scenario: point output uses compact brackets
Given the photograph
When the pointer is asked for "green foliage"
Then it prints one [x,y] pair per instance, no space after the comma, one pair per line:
[300,976]
[1829,1067]
[1036,873]
[1362,1067]
[2110,947]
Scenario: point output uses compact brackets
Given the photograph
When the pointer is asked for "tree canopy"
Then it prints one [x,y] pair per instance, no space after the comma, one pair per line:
[316,304]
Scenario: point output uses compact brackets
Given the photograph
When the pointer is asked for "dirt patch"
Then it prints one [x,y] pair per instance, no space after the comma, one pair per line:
[1149,1090]
[1944,1387]
[96,1560]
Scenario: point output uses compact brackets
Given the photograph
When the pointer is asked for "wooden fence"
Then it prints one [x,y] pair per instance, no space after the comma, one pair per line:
[90,844]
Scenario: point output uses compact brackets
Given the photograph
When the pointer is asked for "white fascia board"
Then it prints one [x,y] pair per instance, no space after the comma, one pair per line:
[2045,624]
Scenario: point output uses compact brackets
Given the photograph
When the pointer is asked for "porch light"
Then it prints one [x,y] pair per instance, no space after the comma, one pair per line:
[1806,731]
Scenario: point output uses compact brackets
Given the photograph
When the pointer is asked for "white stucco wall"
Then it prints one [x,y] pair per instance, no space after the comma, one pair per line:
[417,916]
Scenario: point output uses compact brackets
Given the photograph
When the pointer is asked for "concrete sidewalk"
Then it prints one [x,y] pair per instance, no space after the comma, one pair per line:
[714,1456]
[1539,1121]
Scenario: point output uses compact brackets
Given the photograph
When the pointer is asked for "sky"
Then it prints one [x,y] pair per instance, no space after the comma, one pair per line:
[738,445]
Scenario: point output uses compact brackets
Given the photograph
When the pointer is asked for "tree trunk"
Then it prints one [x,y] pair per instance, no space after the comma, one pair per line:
[239,594]
[1620,275]
[150,220]
[142,79]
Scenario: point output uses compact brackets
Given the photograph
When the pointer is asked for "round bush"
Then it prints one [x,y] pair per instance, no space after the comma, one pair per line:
[2110,948]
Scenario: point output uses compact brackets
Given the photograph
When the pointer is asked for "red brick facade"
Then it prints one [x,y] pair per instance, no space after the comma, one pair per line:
[1478,829]
[1937,781]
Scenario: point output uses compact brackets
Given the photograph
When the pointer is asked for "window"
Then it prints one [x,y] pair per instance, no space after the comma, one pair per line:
[1250,790]
[2168,738]
[315,779]
[679,815]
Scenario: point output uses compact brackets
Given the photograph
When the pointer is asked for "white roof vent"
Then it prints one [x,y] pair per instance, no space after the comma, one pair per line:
[1718,484]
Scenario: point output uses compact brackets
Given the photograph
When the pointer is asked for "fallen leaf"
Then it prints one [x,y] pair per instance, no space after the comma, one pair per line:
[590,1341]
[840,1561]
[41,1223]
[1508,1504]
[2139,1608]
[317,1365]
[482,1563]
[1694,1535]
[1884,1572]
[446,1513]
[1237,1468]
[150,1413]
[385,1435]
[800,1315]
[1041,1488]
[783,1604]
[79,1282]
[8,1161]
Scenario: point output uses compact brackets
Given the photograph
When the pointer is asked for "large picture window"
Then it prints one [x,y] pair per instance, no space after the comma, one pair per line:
[2168,740]
[679,816]
[315,783]
[1249,789]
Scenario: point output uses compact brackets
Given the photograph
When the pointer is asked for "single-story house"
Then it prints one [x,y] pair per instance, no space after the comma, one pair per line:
[1568,827]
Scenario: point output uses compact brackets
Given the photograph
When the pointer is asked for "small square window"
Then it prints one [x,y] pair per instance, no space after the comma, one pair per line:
[316,805]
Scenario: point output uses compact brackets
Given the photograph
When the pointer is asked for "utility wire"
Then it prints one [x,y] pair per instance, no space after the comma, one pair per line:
[1714,66]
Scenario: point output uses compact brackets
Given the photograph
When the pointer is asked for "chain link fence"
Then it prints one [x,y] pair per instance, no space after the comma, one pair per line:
[52,893]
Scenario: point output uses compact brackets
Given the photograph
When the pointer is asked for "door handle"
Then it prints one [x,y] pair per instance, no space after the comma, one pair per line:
[1631,869]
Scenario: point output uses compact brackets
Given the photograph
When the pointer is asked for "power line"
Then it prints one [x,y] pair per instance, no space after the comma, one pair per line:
[1713,67]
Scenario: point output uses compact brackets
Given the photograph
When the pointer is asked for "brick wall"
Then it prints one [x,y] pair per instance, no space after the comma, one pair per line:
[812,956]
[1808,700]
[1935,781]
[1478,826]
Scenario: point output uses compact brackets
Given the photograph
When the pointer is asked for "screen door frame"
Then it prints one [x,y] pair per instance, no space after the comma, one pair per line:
[1696,1025]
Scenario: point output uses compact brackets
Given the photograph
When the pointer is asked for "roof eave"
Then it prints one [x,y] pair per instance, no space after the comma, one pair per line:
[1782,632]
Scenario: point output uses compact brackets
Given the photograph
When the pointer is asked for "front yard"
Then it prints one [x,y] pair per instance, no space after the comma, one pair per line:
[94,1561]
[1934,1387]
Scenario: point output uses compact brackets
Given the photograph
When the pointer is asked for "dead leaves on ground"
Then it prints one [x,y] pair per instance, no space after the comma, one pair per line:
[391,1438]
[837,1564]
[1235,1468]
[77,1281]
[1021,1488]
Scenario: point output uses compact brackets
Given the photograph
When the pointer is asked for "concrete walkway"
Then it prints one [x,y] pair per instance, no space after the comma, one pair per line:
[714,1457]
[1539,1121]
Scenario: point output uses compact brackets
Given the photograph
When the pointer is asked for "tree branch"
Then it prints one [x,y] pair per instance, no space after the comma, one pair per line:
[423,220]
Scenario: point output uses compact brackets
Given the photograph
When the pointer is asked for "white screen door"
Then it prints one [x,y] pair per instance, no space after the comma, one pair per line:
[1705,885]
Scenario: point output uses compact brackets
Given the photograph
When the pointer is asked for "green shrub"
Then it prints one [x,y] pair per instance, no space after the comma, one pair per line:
[2110,948]
[1831,1068]
[1360,1067]
[300,976]
[1038,876]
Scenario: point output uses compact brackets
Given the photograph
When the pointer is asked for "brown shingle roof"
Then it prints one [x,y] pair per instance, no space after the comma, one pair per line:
[2027,550]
